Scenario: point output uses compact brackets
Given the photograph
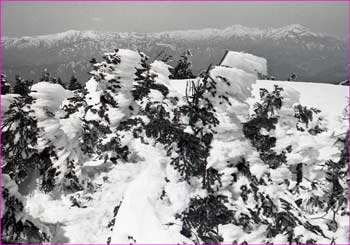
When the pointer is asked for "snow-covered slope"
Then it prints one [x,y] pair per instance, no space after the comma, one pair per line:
[140,200]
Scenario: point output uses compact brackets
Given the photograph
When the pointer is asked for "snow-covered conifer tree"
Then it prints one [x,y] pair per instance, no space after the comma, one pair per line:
[74,84]
[182,69]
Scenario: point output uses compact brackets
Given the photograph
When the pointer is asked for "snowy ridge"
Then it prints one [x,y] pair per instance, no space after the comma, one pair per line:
[54,39]
[289,31]
[67,53]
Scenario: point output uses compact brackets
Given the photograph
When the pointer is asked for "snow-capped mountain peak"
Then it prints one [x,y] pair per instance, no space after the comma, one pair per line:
[68,52]
[288,31]
[50,39]
[291,31]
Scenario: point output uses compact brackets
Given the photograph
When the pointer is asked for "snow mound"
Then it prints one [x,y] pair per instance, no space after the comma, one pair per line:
[247,62]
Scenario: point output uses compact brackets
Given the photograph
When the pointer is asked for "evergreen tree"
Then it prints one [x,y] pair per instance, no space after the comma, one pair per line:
[182,70]
[265,118]
[71,181]
[20,159]
[19,132]
[188,145]
[97,129]
[5,86]
[20,137]
[22,87]
[74,84]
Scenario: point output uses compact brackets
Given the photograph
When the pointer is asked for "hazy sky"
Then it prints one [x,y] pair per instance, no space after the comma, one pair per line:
[20,18]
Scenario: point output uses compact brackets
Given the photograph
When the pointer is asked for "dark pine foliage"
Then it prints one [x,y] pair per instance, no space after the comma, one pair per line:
[22,87]
[205,215]
[265,118]
[20,135]
[5,86]
[20,159]
[182,70]
[145,81]
[14,230]
[305,116]
[95,131]
[71,182]
[47,171]
[76,102]
[74,84]
[191,149]
[337,172]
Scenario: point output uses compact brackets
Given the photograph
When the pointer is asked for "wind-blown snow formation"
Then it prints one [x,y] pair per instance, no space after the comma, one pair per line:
[245,62]
[142,214]
[139,200]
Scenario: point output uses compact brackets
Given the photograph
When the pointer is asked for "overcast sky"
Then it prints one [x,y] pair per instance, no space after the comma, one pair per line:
[20,18]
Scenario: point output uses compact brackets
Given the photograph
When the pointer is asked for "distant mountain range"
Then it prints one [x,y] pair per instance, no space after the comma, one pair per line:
[290,49]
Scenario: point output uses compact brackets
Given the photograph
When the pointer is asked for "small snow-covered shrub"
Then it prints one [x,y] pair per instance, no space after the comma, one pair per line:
[75,103]
[308,119]
[22,87]
[182,69]
[264,120]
